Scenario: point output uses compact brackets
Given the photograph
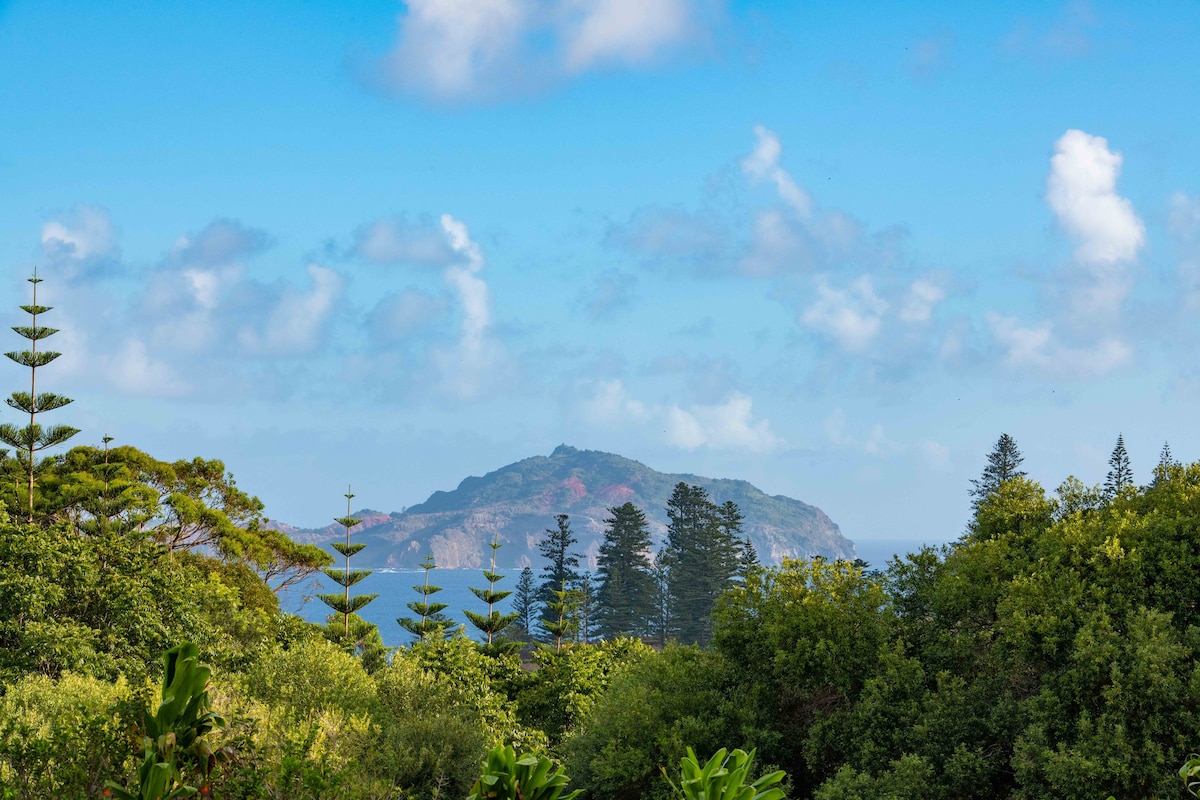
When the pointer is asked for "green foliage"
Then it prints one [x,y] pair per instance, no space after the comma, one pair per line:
[33,438]
[430,620]
[561,570]
[492,623]
[507,776]
[59,736]
[701,558]
[175,740]
[561,693]
[651,713]
[726,776]
[625,598]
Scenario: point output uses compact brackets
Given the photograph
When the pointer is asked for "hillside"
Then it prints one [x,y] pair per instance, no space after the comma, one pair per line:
[519,501]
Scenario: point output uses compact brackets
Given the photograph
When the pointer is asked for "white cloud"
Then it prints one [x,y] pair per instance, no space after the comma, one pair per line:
[607,404]
[219,243]
[81,241]
[398,316]
[398,241]
[1035,347]
[851,316]
[920,300]
[295,324]
[133,370]
[1081,190]
[456,49]
[724,426]
[622,31]
[477,359]
[763,164]
[450,47]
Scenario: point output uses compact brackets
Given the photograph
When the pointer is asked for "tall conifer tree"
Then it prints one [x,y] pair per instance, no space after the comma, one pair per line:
[562,568]
[1004,464]
[343,603]
[625,597]
[28,441]
[491,624]
[702,560]
[525,606]
[563,621]
[430,619]
[1120,473]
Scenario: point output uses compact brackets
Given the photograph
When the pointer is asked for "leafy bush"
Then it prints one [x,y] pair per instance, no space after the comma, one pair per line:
[60,737]
[530,777]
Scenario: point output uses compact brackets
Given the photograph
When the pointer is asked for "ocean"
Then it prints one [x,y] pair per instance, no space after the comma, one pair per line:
[394,587]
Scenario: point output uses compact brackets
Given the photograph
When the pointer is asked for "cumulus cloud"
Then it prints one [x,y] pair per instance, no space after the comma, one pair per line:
[763,164]
[631,32]
[400,241]
[851,316]
[458,49]
[81,242]
[398,316]
[725,426]
[294,325]
[1081,190]
[477,358]
[1036,348]
[673,235]
[607,404]
[219,243]
[1080,338]
[920,300]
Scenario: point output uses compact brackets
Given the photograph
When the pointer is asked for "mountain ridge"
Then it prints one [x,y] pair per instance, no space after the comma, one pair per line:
[517,502]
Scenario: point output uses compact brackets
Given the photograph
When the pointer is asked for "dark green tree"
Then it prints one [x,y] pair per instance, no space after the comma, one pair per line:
[1120,474]
[430,619]
[1166,465]
[343,603]
[747,560]
[31,439]
[562,567]
[525,604]
[625,597]
[702,561]
[1004,463]
[492,623]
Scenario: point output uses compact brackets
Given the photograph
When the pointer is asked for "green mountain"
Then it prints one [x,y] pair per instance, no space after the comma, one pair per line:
[518,502]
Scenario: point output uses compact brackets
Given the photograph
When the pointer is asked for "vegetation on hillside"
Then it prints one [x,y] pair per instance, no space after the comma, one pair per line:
[1050,652]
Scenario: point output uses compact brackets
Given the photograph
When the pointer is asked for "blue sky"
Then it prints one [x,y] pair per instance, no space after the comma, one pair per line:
[834,249]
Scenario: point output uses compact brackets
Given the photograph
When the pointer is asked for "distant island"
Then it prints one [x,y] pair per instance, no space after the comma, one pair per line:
[519,501]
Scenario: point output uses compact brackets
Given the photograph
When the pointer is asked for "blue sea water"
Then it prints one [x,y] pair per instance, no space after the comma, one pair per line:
[395,590]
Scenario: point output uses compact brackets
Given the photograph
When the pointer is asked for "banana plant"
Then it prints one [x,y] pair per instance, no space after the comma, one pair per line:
[157,780]
[530,777]
[174,735]
[724,777]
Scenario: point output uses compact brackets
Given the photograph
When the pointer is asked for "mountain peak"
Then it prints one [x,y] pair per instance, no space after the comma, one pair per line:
[518,502]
